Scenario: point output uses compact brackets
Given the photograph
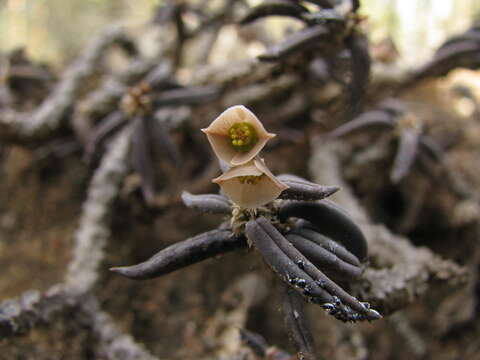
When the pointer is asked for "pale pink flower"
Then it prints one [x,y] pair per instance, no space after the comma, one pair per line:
[237,136]
[250,185]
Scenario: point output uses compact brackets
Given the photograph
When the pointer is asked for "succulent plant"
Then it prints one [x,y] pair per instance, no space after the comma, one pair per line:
[309,242]
[460,51]
[413,143]
[331,28]
[140,105]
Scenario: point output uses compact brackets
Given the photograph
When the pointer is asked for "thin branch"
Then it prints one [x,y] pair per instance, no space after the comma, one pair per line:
[222,329]
[18,316]
[94,229]
[113,344]
[51,114]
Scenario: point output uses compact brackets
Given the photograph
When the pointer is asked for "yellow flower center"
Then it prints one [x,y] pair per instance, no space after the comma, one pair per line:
[250,179]
[243,136]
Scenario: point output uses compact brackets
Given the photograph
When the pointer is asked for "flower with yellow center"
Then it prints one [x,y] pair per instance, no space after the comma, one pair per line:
[250,185]
[237,136]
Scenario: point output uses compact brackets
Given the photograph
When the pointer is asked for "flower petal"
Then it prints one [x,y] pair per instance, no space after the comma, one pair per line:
[218,134]
[248,169]
[243,157]
[262,188]
[221,147]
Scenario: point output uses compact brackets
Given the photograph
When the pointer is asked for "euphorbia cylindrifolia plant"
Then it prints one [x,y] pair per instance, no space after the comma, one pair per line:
[309,242]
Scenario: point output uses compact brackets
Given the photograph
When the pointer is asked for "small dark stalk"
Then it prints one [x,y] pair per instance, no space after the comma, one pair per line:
[297,326]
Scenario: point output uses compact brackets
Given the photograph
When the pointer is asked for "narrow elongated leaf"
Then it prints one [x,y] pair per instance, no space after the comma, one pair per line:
[301,189]
[186,96]
[456,55]
[297,42]
[274,8]
[326,4]
[170,150]
[358,46]
[216,204]
[471,36]
[430,147]
[375,119]
[281,264]
[183,254]
[323,259]
[406,154]
[105,128]
[329,220]
[141,156]
[346,307]
[307,231]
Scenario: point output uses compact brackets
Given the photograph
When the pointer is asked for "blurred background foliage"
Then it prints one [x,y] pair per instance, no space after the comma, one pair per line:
[54,30]
[418,27]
